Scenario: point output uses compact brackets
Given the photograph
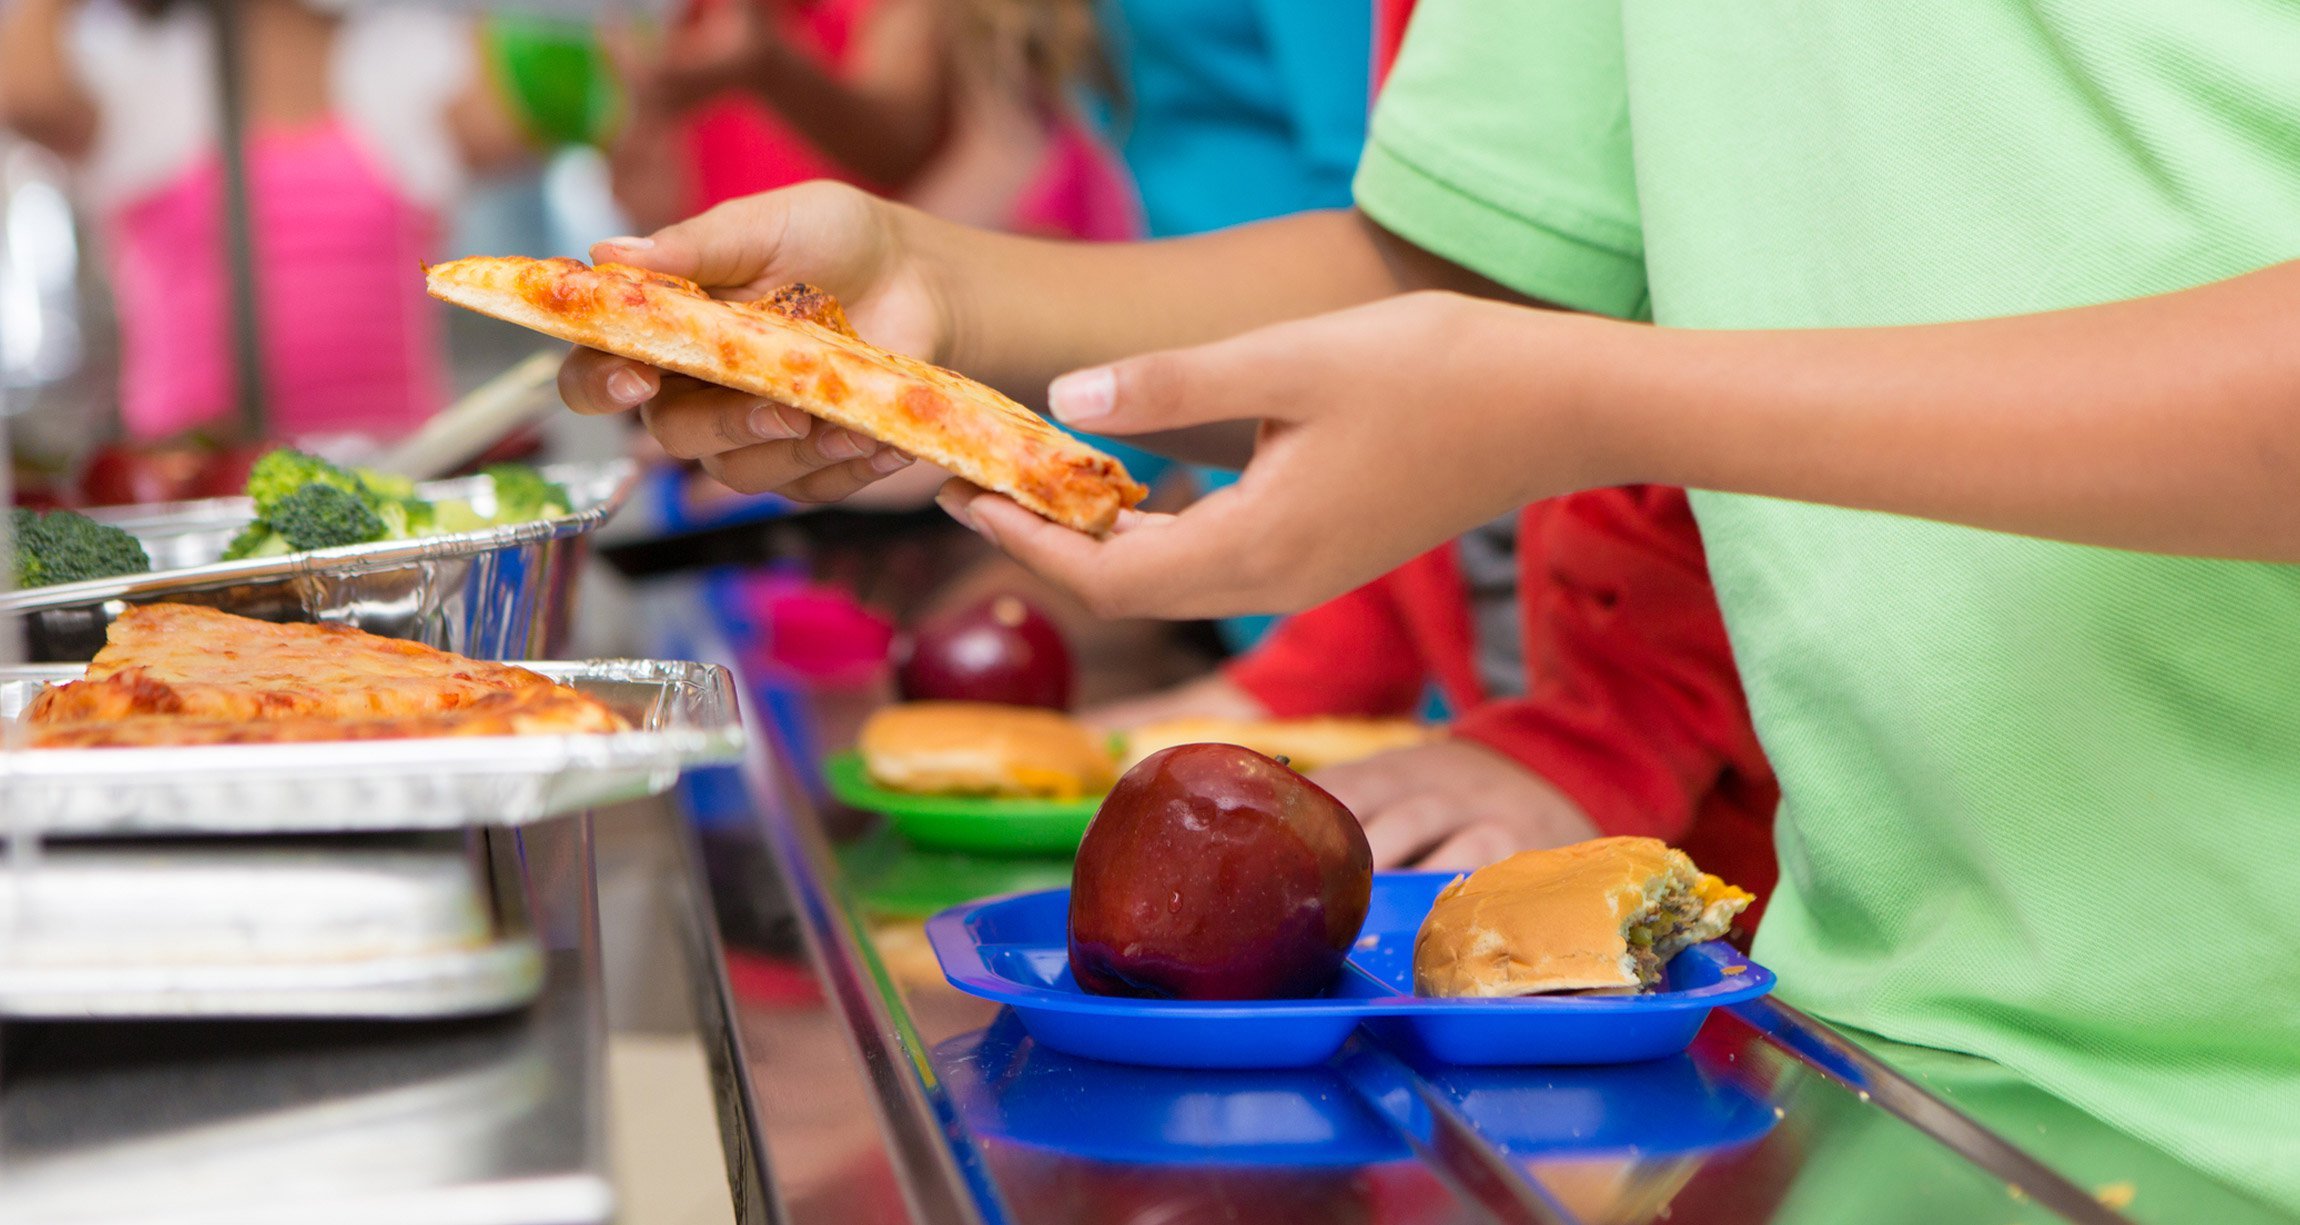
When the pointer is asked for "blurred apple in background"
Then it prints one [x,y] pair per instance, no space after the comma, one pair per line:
[1212,872]
[121,474]
[1000,650]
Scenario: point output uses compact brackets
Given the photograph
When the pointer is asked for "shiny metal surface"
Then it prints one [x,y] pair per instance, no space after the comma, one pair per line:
[944,1183]
[502,593]
[682,715]
[491,1121]
[741,1122]
[1772,1116]
[391,926]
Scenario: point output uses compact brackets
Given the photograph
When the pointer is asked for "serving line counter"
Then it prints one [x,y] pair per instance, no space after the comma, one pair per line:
[843,1081]
[868,1089]
[491,1120]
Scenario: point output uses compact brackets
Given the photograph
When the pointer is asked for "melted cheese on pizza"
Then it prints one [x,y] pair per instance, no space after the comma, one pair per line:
[180,674]
[795,347]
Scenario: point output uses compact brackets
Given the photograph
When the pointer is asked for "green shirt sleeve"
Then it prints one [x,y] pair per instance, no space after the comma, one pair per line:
[1501,142]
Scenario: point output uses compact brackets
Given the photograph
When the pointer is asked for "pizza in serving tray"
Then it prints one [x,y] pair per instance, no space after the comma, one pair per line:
[794,346]
[181,674]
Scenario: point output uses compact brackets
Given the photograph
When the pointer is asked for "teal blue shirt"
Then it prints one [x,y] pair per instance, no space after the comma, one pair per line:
[1240,110]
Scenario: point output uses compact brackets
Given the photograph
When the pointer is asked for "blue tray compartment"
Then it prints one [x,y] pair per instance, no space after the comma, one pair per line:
[1010,1086]
[1013,950]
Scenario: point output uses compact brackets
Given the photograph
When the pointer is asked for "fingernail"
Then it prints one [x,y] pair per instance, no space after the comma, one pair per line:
[628,387]
[769,422]
[628,243]
[889,461]
[845,444]
[957,510]
[1083,395]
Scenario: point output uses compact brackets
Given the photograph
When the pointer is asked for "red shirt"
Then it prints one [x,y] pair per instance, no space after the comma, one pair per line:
[736,143]
[1632,706]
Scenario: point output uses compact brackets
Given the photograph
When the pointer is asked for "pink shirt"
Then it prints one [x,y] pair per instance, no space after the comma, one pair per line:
[346,209]
[351,343]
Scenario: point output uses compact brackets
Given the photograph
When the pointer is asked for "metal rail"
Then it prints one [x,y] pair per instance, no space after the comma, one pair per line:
[239,219]
[944,1182]
[1841,1060]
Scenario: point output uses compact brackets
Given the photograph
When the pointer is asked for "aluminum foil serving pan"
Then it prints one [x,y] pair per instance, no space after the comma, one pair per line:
[682,715]
[393,925]
[500,593]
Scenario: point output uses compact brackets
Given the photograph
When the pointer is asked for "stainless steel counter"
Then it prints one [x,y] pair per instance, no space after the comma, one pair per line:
[491,1121]
[876,1092]
[853,1085]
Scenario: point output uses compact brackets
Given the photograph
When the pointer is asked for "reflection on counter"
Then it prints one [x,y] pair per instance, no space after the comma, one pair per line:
[1010,1089]
[1855,1166]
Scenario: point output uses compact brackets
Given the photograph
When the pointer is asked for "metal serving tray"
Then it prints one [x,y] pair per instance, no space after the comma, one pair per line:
[682,715]
[501,593]
[408,925]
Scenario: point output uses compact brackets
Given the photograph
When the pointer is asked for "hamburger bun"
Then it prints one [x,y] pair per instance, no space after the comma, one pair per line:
[977,748]
[1306,744]
[1605,914]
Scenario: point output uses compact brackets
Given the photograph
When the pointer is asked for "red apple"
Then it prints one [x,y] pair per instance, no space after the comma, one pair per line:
[1001,650]
[1212,872]
[120,474]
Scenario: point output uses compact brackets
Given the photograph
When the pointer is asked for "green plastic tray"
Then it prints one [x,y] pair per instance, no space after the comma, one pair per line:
[895,879]
[963,822]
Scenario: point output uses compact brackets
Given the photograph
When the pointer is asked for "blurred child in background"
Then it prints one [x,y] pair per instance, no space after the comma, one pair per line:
[362,128]
[966,108]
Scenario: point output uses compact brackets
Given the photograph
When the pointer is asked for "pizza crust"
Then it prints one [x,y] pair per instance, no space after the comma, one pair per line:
[794,347]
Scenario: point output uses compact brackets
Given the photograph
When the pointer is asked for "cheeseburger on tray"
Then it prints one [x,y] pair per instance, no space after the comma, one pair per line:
[978,748]
[1605,914]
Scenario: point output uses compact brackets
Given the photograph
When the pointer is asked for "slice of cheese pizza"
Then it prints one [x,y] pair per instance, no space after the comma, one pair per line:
[181,674]
[795,347]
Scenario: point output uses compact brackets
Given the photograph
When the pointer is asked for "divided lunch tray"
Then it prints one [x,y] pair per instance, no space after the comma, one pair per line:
[1013,951]
[1013,1089]
[999,826]
[682,715]
[1357,1110]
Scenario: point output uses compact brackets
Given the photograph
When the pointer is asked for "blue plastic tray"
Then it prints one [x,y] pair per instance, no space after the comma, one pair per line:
[1014,951]
[1008,1087]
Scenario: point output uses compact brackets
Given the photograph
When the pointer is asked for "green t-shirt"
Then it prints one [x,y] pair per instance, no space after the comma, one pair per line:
[2042,801]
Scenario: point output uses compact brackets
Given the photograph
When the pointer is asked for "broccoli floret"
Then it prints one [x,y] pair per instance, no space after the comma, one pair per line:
[452,515]
[281,475]
[322,516]
[389,485]
[522,493]
[257,539]
[405,512]
[395,520]
[283,472]
[63,547]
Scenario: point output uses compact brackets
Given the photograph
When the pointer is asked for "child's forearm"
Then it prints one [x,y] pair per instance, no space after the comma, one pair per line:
[1024,310]
[2164,424]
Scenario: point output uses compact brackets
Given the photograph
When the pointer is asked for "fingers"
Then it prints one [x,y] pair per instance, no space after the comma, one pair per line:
[598,383]
[750,243]
[693,419]
[731,244]
[1400,833]
[827,464]
[1245,378]
[1472,848]
[1135,572]
[1371,784]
